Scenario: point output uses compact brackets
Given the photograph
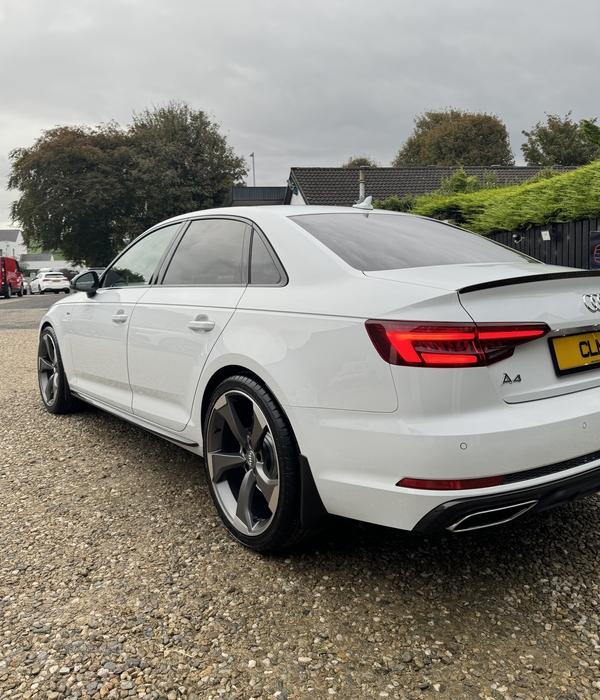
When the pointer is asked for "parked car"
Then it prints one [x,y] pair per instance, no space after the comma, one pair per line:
[50,282]
[25,287]
[369,364]
[11,279]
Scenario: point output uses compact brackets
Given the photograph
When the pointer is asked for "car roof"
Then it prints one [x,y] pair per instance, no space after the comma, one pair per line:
[278,211]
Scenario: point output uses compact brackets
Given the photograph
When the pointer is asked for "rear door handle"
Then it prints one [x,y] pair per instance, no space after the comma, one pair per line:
[201,323]
[120,317]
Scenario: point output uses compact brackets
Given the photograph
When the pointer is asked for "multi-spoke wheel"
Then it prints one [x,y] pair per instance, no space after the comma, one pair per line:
[51,376]
[252,465]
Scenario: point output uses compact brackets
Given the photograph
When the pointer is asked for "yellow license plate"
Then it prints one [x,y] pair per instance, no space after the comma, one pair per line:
[574,353]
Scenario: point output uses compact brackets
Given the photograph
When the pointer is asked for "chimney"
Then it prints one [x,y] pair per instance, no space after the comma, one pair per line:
[361,185]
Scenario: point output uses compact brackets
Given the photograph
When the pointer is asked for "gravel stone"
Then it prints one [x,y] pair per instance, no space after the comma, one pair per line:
[118,580]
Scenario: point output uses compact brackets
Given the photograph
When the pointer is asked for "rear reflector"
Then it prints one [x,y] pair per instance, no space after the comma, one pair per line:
[450,484]
[424,344]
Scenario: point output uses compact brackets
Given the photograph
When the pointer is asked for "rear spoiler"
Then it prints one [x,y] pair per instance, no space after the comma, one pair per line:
[526,279]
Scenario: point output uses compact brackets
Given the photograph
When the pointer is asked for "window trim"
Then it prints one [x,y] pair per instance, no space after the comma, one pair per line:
[157,277]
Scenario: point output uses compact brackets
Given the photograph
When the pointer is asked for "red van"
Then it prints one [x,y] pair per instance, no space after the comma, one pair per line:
[11,279]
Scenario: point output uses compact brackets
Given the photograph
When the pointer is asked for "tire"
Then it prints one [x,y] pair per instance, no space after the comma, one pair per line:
[7,291]
[53,385]
[25,291]
[67,291]
[252,466]
[42,291]
[20,292]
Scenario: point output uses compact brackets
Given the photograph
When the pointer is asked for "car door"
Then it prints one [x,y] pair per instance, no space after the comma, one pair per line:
[99,324]
[175,325]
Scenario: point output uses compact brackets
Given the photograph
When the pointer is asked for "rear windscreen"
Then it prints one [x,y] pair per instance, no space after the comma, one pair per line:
[376,241]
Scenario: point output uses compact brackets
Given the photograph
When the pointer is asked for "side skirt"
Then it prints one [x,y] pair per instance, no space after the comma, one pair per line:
[140,422]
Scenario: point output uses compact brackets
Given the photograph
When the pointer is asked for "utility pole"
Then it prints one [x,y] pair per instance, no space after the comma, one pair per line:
[253,171]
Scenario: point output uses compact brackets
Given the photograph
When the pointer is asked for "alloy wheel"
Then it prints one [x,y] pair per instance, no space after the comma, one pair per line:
[48,369]
[242,462]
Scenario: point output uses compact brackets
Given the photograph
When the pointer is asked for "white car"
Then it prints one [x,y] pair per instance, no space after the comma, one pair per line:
[49,282]
[369,364]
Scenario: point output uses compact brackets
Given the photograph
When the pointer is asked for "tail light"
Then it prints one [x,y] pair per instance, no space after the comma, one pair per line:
[450,484]
[424,344]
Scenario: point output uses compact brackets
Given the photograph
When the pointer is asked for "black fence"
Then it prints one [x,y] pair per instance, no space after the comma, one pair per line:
[575,244]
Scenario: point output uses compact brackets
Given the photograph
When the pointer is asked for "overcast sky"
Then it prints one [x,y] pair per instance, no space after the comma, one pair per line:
[305,83]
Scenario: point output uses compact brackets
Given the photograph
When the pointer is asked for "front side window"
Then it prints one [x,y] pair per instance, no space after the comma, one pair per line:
[375,241]
[210,252]
[136,266]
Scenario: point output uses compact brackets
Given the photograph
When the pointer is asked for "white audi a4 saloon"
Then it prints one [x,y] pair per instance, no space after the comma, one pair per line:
[363,363]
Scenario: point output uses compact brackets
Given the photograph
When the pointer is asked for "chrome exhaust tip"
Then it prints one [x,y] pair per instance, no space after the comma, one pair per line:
[491,517]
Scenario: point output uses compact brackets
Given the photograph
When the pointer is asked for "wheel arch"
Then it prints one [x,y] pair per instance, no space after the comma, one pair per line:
[231,370]
[54,322]
[312,509]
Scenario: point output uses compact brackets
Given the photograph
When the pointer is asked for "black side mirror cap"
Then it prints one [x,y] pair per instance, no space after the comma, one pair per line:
[87,282]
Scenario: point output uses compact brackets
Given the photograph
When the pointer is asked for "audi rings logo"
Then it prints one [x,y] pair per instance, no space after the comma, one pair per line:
[592,302]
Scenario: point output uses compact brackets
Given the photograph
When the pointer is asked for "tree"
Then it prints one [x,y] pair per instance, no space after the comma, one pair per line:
[363,161]
[393,203]
[183,163]
[456,137]
[76,191]
[88,191]
[560,141]
[461,183]
[591,131]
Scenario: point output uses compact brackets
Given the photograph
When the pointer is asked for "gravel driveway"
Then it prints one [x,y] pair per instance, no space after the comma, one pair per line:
[117,580]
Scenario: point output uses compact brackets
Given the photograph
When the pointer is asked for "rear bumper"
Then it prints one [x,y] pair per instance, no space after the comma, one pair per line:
[52,285]
[549,452]
[474,513]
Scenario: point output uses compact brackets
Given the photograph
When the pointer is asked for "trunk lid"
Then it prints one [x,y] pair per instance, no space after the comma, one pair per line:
[564,361]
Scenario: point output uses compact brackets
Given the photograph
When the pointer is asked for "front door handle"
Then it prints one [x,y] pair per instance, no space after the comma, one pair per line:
[201,323]
[120,317]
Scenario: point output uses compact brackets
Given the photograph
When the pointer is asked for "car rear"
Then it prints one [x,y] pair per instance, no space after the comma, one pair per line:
[505,400]
[54,282]
[497,373]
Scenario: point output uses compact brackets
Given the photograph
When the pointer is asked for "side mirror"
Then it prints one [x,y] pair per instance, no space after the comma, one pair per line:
[87,282]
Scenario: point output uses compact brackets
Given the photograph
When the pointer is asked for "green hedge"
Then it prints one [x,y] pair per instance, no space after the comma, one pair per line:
[569,197]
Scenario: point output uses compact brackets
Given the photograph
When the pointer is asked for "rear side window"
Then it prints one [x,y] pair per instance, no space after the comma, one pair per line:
[374,241]
[262,267]
[210,252]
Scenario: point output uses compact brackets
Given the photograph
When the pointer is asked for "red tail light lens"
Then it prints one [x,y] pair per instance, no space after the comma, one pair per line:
[422,344]
[450,484]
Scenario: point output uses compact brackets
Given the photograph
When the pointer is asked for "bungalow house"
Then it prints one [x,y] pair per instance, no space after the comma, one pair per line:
[34,262]
[11,243]
[340,186]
